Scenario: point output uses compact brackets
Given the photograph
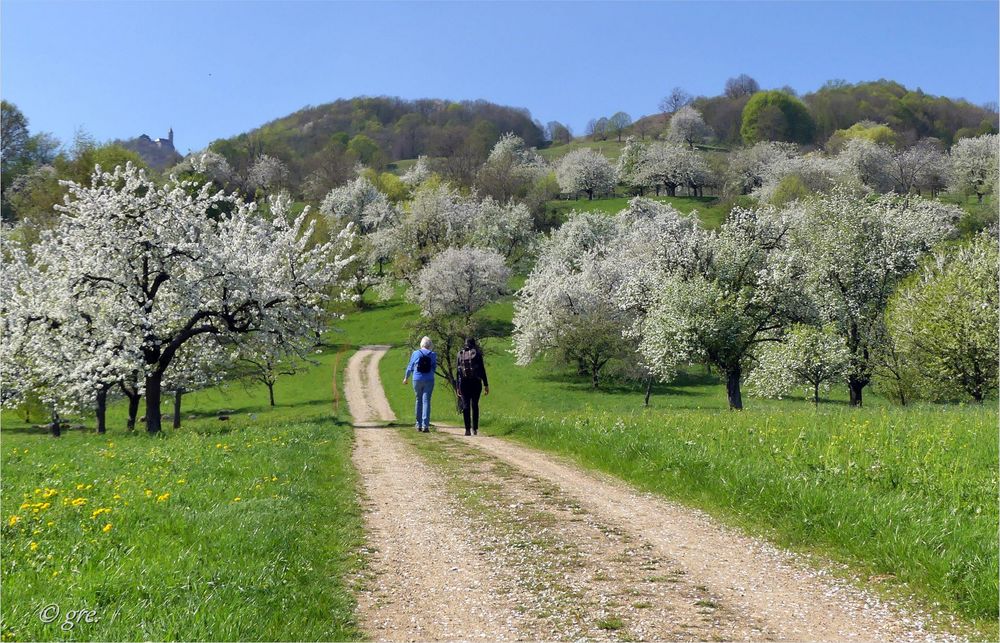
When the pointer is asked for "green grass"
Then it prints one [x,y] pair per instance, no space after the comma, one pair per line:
[227,533]
[610,148]
[183,558]
[909,492]
[711,212]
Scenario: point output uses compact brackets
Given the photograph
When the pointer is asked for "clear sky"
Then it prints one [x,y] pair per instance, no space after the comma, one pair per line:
[214,69]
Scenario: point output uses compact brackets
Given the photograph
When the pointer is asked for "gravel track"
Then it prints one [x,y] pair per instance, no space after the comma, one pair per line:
[483,539]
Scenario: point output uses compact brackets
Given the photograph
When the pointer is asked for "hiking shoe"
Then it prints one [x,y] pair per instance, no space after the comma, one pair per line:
[467,432]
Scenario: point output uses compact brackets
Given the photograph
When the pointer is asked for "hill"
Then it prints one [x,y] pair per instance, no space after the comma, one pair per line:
[376,131]
[911,113]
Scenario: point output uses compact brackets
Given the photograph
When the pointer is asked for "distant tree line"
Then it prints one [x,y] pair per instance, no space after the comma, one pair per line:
[322,144]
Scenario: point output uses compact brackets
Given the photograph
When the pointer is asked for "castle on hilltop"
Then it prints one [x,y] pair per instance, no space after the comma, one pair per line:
[158,153]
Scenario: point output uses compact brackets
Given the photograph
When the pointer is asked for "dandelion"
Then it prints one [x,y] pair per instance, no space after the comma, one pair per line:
[181,481]
[106,528]
[163,497]
[79,502]
[237,499]
[13,520]
[33,545]
[98,512]
[149,492]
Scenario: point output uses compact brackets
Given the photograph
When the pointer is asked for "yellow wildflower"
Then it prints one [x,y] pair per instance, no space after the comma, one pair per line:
[14,520]
[237,499]
[106,528]
[163,497]
[98,512]
[149,492]
[181,481]
[79,502]
[33,545]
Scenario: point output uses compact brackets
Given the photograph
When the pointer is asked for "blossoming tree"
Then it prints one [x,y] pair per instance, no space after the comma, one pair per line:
[163,265]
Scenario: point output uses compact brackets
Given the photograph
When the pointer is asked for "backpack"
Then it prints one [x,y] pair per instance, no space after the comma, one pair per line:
[466,365]
[424,363]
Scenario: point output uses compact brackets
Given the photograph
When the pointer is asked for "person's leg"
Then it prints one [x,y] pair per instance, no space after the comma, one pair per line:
[474,403]
[467,407]
[418,391]
[427,405]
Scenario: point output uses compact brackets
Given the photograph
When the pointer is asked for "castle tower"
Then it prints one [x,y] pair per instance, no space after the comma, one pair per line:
[170,135]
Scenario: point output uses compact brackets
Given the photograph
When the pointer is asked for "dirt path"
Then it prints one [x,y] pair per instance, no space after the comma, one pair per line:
[480,538]
[425,582]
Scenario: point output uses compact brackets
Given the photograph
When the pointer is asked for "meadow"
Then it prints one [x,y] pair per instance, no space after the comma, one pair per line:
[250,528]
[906,496]
[246,529]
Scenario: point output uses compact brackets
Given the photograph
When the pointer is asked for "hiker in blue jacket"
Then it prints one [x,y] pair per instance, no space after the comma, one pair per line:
[423,363]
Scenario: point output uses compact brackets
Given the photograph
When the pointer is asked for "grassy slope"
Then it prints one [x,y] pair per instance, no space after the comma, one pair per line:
[907,492]
[183,558]
[710,212]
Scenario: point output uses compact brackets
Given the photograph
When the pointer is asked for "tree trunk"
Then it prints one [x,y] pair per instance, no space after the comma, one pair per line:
[593,378]
[178,394]
[153,390]
[270,392]
[816,394]
[133,408]
[54,426]
[649,390]
[854,387]
[102,409]
[733,392]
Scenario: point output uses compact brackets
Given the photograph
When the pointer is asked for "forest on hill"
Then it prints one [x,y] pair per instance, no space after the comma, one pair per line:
[328,140]
[837,105]
[321,145]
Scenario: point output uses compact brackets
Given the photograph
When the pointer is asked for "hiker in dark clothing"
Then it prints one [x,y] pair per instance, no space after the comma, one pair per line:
[471,382]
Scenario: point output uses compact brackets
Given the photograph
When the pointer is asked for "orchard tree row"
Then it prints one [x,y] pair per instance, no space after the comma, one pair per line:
[843,287]
[141,287]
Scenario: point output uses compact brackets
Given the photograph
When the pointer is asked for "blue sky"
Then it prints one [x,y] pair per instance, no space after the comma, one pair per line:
[214,69]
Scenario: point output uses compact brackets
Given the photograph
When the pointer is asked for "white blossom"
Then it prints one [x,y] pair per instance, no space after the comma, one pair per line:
[418,172]
[808,358]
[134,271]
[687,127]
[585,170]
[974,164]
[360,203]
[460,281]
[855,248]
